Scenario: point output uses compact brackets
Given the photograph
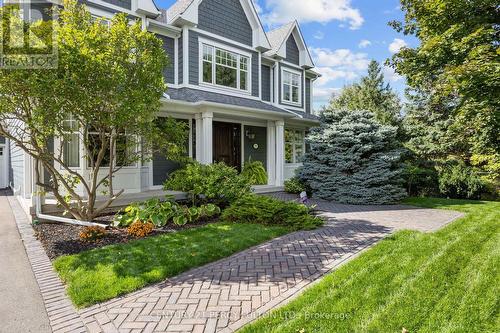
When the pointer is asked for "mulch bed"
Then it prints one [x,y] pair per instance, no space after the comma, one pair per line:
[61,239]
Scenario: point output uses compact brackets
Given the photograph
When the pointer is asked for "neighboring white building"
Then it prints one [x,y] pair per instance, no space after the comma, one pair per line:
[4,163]
[260,112]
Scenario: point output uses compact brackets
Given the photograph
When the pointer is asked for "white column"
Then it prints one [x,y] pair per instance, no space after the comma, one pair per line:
[277,86]
[206,141]
[271,153]
[199,137]
[280,152]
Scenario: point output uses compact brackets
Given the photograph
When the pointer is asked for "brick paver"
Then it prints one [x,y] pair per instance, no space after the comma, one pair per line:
[225,295]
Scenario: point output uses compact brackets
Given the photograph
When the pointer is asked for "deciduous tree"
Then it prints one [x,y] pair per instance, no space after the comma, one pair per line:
[104,94]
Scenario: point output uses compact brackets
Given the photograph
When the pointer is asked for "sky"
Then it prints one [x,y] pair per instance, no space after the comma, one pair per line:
[343,37]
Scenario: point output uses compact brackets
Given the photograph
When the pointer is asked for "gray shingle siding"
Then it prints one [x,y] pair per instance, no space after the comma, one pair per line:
[180,59]
[168,46]
[255,74]
[292,51]
[225,18]
[266,83]
[194,60]
[308,95]
[127,4]
[302,87]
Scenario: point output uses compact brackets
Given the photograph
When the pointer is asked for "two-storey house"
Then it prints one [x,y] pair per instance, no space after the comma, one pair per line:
[245,93]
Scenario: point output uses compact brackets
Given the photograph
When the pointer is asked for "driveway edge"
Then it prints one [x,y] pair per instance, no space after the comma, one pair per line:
[63,316]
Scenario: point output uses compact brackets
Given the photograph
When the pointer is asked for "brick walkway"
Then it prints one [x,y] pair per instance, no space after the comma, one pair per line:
[225,295]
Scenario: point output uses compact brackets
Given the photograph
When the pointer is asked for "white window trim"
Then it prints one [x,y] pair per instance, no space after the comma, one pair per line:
[124,167]
[291,71]
[294,155]
[215,45]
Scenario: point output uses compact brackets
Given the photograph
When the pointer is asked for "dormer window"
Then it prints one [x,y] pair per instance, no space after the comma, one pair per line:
[291,87]
[224,68]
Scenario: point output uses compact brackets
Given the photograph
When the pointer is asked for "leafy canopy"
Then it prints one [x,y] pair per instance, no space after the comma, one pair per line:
[456,66]
[109,81]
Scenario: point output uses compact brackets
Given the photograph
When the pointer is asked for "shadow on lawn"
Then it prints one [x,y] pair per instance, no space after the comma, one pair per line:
[158,257]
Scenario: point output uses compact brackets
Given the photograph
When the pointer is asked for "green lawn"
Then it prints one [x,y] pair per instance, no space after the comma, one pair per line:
[101,274]
[448,281]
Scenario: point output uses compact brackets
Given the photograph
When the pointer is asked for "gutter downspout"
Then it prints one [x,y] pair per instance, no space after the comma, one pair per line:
[40,215]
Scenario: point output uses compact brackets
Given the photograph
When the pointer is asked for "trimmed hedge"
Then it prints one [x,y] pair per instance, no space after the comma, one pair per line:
[268,211]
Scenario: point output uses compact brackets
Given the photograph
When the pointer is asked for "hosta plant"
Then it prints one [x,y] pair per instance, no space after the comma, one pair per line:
[160,213]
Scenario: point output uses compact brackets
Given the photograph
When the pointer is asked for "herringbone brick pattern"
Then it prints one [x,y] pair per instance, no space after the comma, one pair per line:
[225,295]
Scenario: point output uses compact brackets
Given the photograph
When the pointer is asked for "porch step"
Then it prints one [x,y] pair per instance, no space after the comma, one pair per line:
[260,189]
[50,207]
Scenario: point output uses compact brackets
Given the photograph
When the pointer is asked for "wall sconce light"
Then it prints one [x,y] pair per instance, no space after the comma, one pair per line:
[250,135]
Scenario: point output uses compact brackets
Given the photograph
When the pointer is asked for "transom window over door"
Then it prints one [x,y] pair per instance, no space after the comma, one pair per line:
[291,87]
[225,68]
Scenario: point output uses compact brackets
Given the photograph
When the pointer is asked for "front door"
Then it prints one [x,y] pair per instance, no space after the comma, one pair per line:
[227,144]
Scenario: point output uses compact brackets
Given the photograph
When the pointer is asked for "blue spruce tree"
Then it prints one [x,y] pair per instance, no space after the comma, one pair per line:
[353,159]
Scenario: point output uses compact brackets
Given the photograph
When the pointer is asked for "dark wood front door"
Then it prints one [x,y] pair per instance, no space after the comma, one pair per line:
[227,144]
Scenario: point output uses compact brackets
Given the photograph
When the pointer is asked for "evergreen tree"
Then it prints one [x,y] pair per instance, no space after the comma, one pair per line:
[371,94]
[353,159]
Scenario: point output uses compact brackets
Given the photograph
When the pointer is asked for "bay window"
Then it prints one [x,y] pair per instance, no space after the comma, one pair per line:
[294,145]
[225,68]
[291,87]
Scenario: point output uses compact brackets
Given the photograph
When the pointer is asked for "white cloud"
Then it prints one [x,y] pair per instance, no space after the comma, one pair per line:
[343,59]
[364,43]
[390,75]
[319,35]
[323,11]
[329,74]
[338,68]
[322,94]
[396,45]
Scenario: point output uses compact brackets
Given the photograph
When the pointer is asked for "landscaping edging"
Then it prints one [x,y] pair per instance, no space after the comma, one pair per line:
[63,316]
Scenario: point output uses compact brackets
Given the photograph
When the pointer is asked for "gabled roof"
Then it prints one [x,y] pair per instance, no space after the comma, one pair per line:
[278,38]
[184,12]
[178,8]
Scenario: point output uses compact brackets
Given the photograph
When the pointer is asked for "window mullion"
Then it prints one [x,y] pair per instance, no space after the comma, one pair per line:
[238,68]
[214,65]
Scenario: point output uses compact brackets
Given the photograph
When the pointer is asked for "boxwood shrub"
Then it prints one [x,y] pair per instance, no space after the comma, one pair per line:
[269,211]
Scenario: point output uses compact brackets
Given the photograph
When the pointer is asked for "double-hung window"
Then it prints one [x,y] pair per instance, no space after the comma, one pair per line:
[225,68]
[124,149]
[71,143]
[291,87]
[294,146]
